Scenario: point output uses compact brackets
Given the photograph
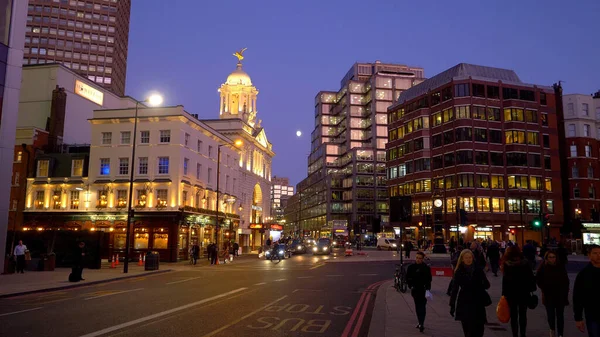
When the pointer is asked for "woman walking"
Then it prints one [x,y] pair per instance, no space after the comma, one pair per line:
[418,278]
[467,303]
[553,281]
[517,284]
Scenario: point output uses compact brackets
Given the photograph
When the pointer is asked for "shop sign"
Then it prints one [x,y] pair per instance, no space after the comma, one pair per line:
[256,226]
[340,231]
[483,229]
[89,92]
[257,208]
[590,225]
[276,227]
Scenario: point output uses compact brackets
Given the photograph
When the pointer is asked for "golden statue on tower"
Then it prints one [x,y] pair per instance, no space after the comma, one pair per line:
[240,54]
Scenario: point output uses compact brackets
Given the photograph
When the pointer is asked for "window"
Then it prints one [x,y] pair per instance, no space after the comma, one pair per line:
[527,95]
[478,112]
[532,138]
[123,166]
[74,200]
[465,180]
[592,192]
[141,198]
[573,150]
[478,90]
[143,165]
[534,160]
[186,164]
[518,182]
[76,167]
[496,159]
[510,93]
[547,163]
[461,90]
[516,159]
[448,115]
[198,171]
[106,138]
[590,172]
[39,199]
[498,205]
[449,159]
[121,198]
[482,181]
[481,135]
[163,165]
[448,137]
[543,100]
[209,179]
[576,193]
[437,118]
[161,197]
[125,137]
[463,112]
[515,137]
[513,114]
[463,134]
[586,130]
[535,183]
[165,136]
[446,93]
[210,148]
[548,184]
[496,136]
[514,205]
[464,157]
[531,116]
[585,109]
[436,140]
[187,140]
[588,151]
[493,92]
[570,109]
[493,114]
[19,156]
[574,172]
[184,198]
[544,119]
[144,137]
[546,140]
[104,166]
[199,146]
[481,158]
[483,204]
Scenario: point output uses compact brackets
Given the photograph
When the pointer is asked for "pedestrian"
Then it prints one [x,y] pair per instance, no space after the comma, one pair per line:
[79,256]
[469,286]
[562,254]
[209,251]
[477,251]
[517,284]
[529,251]
[215,254]
[502,247]
[586,294]
[408,246]
[195,252]
[493,254]
[19,252]
[453,261]
[418,279]
[236,248]
[553,281]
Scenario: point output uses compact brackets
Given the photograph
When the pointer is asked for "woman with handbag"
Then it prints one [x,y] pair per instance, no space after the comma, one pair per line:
[553,281]
[518,283]
[469,295]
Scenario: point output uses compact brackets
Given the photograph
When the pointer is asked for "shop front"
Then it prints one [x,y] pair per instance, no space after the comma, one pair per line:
[483,232]
[257,239]
[275,232]
[591,233]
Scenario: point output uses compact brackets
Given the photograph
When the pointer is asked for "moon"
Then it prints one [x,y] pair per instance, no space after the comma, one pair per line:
[298,133]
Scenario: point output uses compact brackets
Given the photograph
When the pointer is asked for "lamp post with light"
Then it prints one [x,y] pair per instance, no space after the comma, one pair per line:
[153,100]
[237,143]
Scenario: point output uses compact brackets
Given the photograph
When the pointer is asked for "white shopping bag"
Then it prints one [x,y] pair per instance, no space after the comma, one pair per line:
[428,295]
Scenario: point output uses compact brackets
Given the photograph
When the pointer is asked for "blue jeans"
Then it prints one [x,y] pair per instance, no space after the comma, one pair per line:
[593,328]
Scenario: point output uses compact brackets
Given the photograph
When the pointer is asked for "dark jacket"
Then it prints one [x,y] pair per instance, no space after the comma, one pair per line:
[480,261]
[493,252]
[418,278]
[586,294]
[79,256]
[529,252]
[553,281]
[468,285]
[518,281]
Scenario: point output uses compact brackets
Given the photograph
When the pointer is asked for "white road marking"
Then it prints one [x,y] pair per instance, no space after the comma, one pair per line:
[334,275]
[260,284]
[368,274]
[166,312]
[18,312]
[185,280]
[241,318]
[110,294]
[281,279]
[304,276]
[309,290]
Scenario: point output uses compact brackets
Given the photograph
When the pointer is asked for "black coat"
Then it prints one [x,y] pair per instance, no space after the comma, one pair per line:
[418,278]
[79,256]
[493,252]
[554,284]
[518,281]
[468,287]
[586,294]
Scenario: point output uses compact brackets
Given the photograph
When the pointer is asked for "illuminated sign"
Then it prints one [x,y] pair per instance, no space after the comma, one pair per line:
[276,227]
[340,231]
[483,229]
[88,92]
[256,226]
[590,225]
[257,208]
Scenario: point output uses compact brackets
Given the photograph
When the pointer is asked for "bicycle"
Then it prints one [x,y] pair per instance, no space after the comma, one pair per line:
[400,278]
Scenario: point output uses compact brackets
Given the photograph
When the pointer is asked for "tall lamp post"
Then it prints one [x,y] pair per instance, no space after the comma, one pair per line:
[153,100]
[237,143]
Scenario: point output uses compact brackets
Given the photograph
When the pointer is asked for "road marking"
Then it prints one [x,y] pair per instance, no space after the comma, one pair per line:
[317,266]
[361,317]
[185,280]
[368,274]
[166,312]
[334,275]
[304,276]
[112,293]
[18,312]
[281,279]
[310,290]
[239,319]
[260,284]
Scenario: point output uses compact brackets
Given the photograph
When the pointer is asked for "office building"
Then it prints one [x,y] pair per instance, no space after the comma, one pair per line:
[280,192]
[89,36]
[476,149]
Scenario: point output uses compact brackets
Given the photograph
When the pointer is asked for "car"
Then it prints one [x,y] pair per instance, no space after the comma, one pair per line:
[298,247]
[323,246]
[386,243]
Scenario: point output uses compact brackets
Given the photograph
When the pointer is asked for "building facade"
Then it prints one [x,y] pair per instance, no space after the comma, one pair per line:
[346,166]
[475,146]
[280,192]
[582,131]
[88,36]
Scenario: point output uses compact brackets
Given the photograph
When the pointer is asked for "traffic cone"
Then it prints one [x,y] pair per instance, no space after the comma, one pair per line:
[117,259]
[140,263]
[112,263]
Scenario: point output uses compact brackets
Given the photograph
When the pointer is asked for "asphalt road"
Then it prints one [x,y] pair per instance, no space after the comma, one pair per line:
[301,296]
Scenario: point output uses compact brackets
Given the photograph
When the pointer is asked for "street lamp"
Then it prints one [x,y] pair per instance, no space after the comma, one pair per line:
[152,100]
[237,143]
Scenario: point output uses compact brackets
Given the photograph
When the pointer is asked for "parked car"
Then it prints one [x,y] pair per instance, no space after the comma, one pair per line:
[386,243]
[298,247]
[323,246]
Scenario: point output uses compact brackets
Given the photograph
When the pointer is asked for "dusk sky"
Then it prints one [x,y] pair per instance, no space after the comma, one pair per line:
[183,49]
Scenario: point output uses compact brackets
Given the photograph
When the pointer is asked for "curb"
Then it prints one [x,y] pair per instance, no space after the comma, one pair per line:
[81,285]
[377,326]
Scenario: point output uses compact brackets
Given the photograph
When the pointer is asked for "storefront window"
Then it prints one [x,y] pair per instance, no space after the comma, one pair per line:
[119,241]
[160,241]
[141,241]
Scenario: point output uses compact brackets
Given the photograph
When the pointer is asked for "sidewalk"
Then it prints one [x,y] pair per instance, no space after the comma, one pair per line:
[381,255]
[394,315]
[41,281]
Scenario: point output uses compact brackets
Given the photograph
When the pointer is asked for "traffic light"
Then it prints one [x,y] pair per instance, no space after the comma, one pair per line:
[512,231]
[537,223]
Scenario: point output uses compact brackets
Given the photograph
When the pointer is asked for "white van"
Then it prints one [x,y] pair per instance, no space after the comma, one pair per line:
[386,243]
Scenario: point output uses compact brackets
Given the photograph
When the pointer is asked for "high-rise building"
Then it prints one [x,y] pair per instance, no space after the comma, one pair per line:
[346,167]
[88,36]
[475,146]
[280,192]
[582,133]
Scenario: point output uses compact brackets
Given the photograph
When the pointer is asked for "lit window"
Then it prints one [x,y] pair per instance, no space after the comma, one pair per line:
[104,166]
[77,168]
[43,166]
[186,163]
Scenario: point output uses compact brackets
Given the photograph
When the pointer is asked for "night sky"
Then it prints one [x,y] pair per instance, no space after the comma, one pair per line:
[183,49]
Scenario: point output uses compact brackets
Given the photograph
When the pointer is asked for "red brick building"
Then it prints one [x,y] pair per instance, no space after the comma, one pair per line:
[476,140]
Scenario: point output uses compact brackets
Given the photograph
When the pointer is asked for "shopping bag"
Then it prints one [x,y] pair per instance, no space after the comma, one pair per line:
[428,295]
[502,310]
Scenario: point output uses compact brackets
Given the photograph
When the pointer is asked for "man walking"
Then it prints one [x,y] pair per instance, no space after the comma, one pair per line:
[493,253]
[195,252]
[408,246]
[78,261]
[236,249]
[19,252]
[418,279]
[586,295]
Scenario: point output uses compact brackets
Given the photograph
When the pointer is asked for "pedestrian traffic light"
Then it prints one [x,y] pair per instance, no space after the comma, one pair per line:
[537,223]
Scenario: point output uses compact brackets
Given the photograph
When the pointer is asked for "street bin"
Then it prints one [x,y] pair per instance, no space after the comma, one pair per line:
[152,259]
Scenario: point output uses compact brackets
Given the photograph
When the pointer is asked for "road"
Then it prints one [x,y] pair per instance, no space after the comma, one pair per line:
[301,296]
